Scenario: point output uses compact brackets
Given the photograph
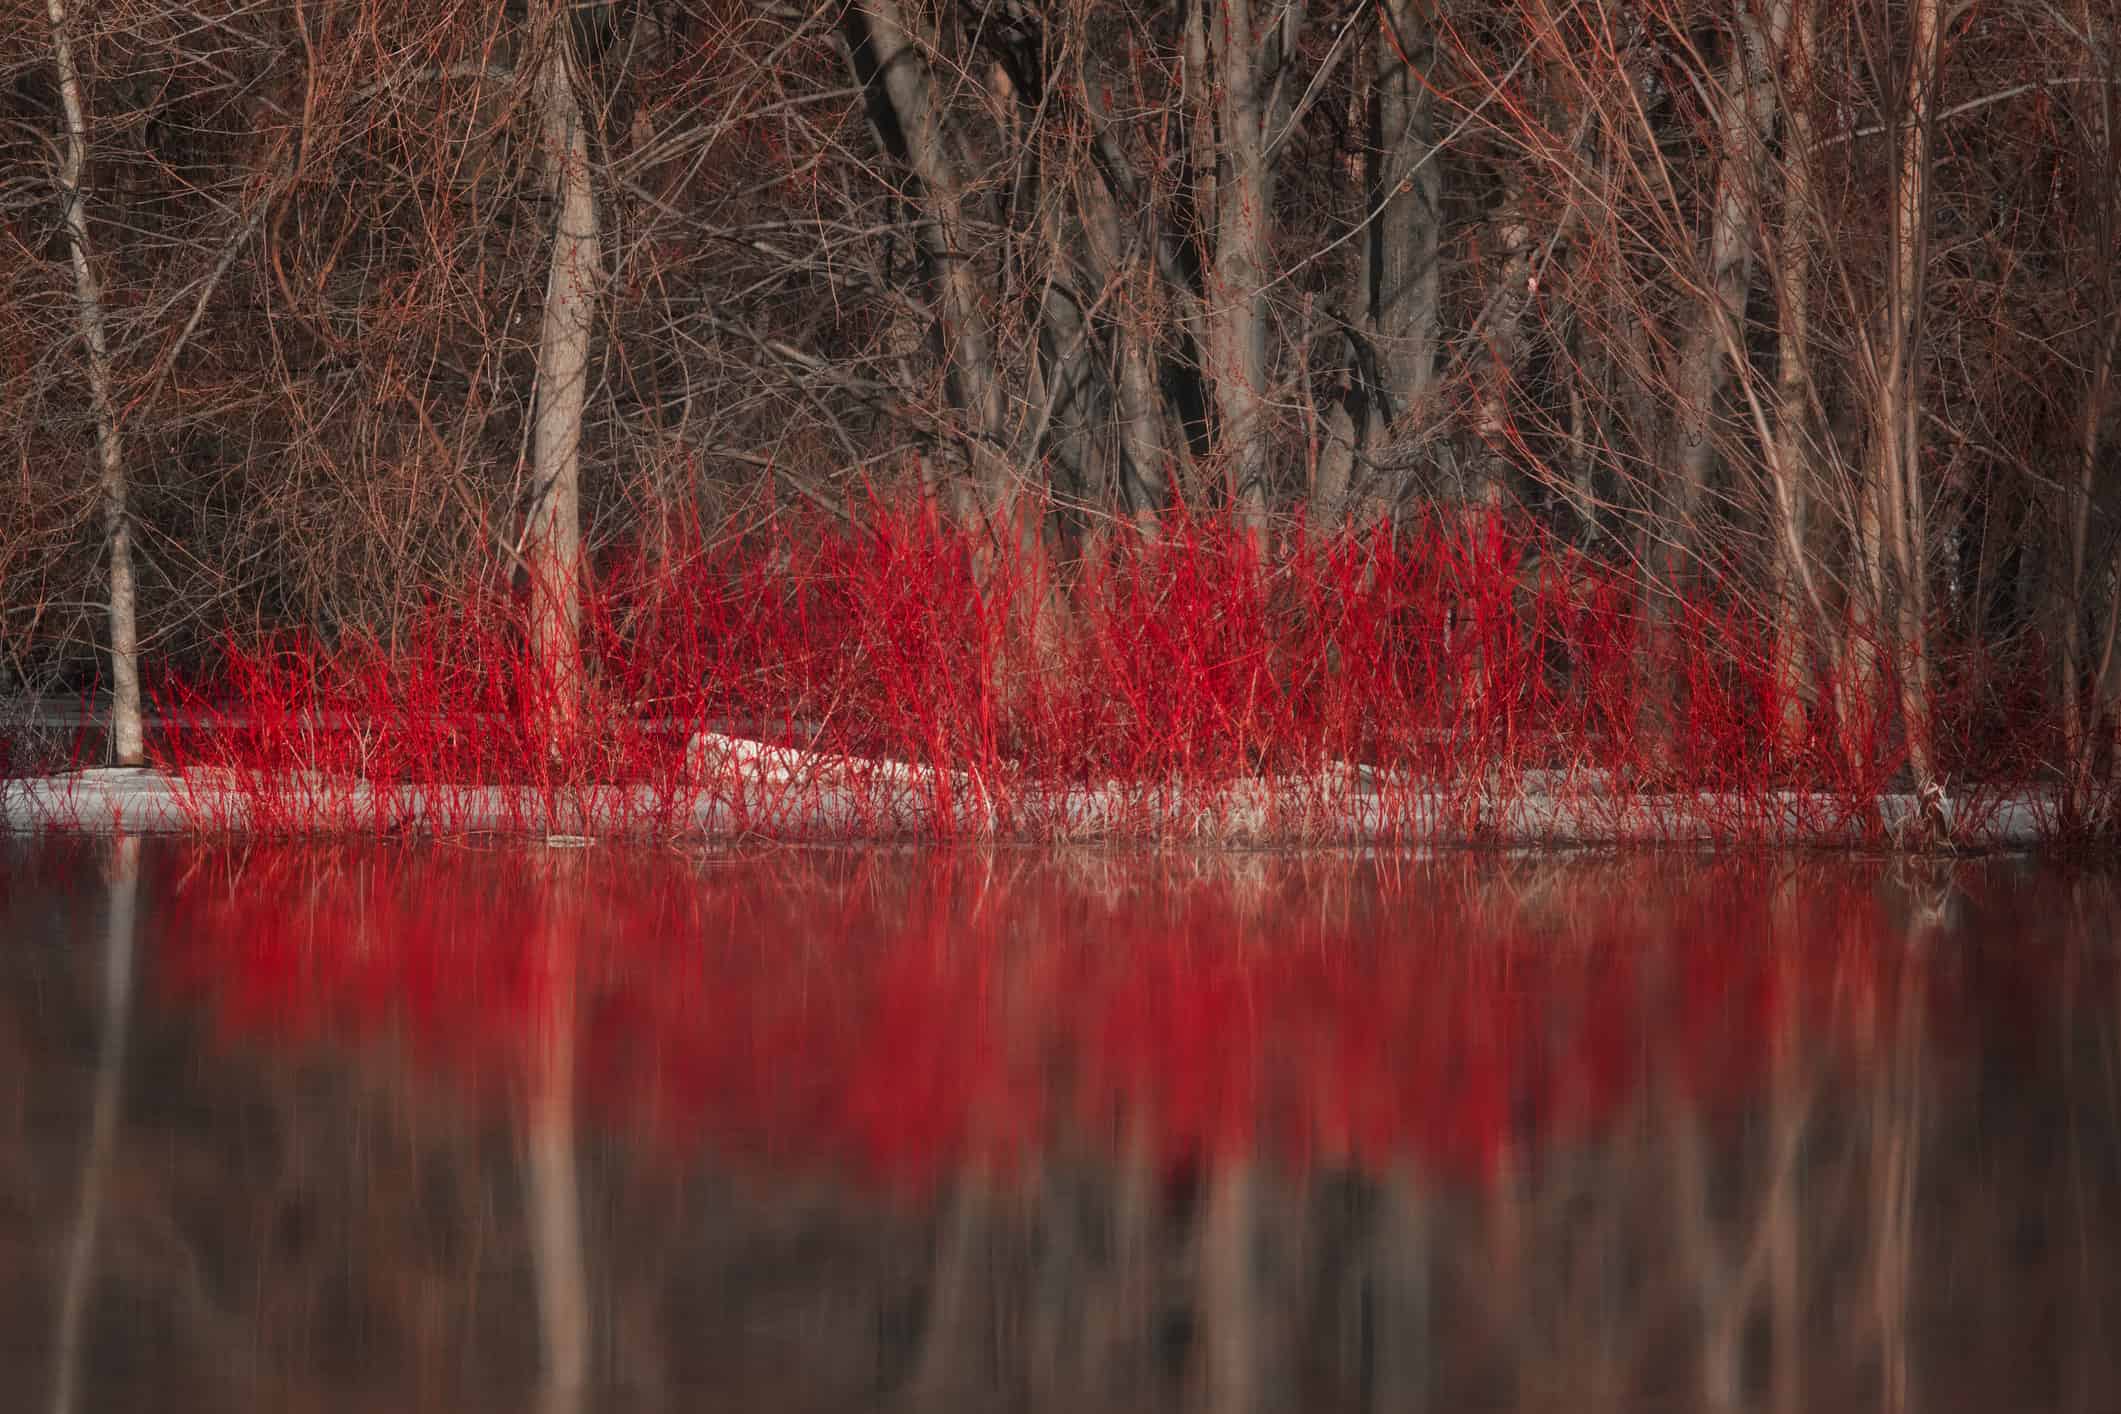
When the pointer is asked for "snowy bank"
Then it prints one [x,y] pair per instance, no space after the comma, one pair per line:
[737,787]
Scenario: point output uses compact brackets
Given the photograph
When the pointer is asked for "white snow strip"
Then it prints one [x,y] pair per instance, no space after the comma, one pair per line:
[739,786]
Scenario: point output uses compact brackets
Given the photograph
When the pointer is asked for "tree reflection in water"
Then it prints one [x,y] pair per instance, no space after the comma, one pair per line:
[1080,1130]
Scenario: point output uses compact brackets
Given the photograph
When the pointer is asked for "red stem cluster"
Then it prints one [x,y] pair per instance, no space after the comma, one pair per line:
[923,683]
[899,1018]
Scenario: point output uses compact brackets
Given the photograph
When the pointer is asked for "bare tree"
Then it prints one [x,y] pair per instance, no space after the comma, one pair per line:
[2103,149]
[1126,259]
[1238,60]
[1896,525]
[127,741]
[553,533]
[895,58]
[374,307]
[1744,119]
[1790,447]
[1405,186]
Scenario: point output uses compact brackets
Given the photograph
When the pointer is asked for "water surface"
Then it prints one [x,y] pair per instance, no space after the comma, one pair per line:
[395,1127]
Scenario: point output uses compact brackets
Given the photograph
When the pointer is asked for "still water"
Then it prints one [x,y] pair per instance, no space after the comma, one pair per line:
[394,1127]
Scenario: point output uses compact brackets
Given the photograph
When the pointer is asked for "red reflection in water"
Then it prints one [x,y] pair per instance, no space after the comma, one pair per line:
[904,1015]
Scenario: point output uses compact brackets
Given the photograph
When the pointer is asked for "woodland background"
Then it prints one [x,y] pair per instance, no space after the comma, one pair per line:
[314,312]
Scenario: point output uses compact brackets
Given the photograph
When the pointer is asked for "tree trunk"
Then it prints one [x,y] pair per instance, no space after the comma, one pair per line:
[127,745]
[1144,475]
[1861,666]
[1789,455]
[1342,431]
[1896,440]
[1233,55]
[1503,327]
[553,535]
[1396,285]
[1066,376]
[1744,116]
[1406,193]
[1743,119]
[2075,689]
[968,338]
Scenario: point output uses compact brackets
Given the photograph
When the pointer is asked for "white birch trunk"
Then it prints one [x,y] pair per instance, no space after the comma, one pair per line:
[553,535]
[127,744]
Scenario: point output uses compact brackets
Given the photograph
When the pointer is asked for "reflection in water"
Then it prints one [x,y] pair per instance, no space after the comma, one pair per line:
[1069,1130]
[548,1121]
[121,901]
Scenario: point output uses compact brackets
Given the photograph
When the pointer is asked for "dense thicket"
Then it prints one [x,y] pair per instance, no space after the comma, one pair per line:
[1815,302]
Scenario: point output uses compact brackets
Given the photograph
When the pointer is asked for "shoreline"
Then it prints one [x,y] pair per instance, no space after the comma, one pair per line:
[850,800]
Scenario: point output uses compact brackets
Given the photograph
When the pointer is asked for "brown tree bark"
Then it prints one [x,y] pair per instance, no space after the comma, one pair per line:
[967,331]
[2076,730]
[1896,467]
[1745,116]
[1139,406]
[1233,52]
[1407,192]
[1790,449]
